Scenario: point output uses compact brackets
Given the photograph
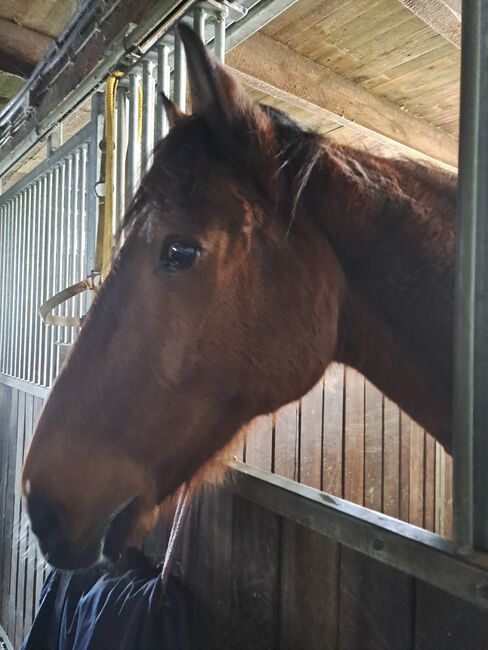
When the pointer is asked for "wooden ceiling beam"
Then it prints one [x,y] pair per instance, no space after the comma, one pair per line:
[276,70]
[20,48]
[443,16]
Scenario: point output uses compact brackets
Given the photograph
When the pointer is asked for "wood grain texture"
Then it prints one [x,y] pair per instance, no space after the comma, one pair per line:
[311,436]
[255,550]
[438,15]
[373,447]
[376,605]
[354,437]
[286,441]
[333,469]
[444,622]
[309,582]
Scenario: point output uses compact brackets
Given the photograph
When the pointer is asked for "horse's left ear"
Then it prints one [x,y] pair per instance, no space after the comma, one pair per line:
[215,93]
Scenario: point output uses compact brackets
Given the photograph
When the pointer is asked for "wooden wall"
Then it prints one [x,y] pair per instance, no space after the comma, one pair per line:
[22,570]
[346,438]
[262,582]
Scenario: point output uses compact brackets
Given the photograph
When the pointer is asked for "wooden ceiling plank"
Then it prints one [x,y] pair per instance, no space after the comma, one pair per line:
[276,70]
[439,15]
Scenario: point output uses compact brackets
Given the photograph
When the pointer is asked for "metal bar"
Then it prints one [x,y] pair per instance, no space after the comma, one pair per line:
[94,157]
[409,549]
[219,39]
[48,270]
[22,282]
[27,285]
[179,74]
[148,104]
[82,228]
[471,349]
[43,274]
[199,16]
[259,16]
[17,264]
[8,310]
[32,281]
[25,386]
[81,136]
[133,154]
[120,153]
[38,281]
[164,79]
[75,206]
[3,281]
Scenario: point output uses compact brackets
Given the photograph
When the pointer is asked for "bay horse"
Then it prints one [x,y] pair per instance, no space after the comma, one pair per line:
[256,253]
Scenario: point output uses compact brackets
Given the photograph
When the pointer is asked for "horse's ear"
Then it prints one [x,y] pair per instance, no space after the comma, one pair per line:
[215,93]
[173,113]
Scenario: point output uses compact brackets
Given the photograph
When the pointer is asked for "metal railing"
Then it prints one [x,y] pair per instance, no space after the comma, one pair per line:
[44,246]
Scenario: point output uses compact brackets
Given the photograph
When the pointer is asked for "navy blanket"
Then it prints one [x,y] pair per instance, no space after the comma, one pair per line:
[95,610]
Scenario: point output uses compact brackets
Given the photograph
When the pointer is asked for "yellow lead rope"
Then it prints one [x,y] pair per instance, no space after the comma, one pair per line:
[103,251]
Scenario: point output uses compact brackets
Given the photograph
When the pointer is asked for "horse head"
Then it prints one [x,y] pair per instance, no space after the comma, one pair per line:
[221,305]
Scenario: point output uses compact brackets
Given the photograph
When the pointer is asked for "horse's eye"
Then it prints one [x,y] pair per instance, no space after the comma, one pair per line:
[179,255]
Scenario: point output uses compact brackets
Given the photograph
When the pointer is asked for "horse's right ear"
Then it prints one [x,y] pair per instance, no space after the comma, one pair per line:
[215,94]
[173,113]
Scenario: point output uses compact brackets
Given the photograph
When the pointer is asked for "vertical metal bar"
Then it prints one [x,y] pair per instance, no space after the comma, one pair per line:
[148,88]
[37,283]
[3,281]
[27,285]
[8,301]
[76,226]
[82,226]
[18,288]
[219,40]
[94,158]
[470,443]
[11,287]
[54,217]
[30,311]
[120,153]
[23,284]
[199,16]
[44,275]
[48,337]
[133,153]
[164,78]
[179,73]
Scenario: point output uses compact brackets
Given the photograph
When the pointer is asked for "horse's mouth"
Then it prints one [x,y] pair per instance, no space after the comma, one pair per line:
[120,528]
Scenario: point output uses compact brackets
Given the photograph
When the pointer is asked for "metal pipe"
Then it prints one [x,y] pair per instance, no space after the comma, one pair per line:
[148,103]
[38,279]
[120,153]
[27,286]
[133,153]
[219,40]
[163,86]
[179,75]
[470,444]
[3,281]
[199,16]
[83,228]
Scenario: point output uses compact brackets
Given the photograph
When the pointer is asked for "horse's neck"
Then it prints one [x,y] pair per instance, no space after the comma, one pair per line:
[390,224]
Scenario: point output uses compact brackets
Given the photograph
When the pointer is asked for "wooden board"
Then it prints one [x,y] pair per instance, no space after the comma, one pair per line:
[376,605]
[255,550]
[309,586]
[445,622]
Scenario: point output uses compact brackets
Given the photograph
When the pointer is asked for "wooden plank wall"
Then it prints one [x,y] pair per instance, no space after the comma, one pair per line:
[262,582]
[22,571]
[346,438]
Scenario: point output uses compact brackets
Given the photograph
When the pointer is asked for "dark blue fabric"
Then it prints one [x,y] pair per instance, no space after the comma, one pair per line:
[95,610]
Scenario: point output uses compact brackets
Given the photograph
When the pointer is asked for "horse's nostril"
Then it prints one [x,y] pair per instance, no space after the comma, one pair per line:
[48,521]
